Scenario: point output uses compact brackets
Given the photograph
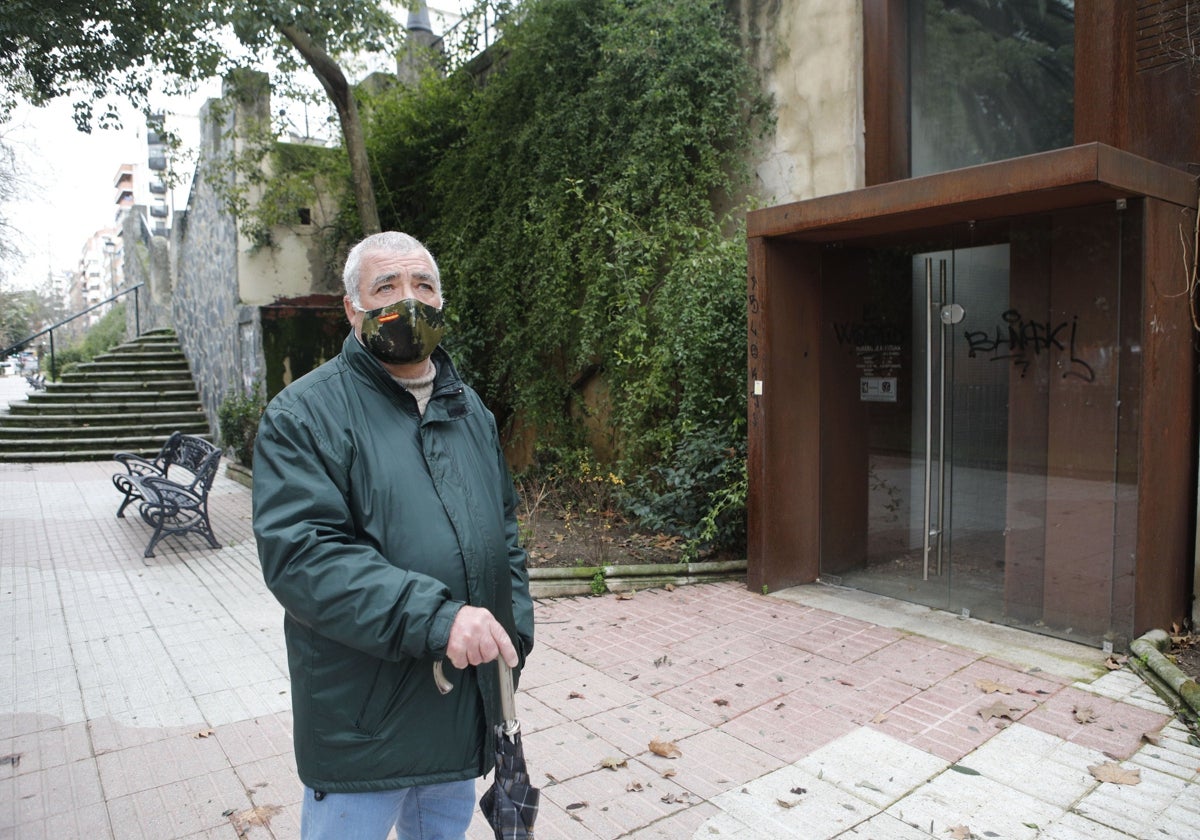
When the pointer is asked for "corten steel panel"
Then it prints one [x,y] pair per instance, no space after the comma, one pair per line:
[1135,78]
[1081,434]
[1102,73]
[885,90]
[783,457]
[1073,177]
[1028,408]
[1168,446]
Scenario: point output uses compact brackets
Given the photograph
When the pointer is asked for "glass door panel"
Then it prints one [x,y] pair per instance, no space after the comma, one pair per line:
[977,406]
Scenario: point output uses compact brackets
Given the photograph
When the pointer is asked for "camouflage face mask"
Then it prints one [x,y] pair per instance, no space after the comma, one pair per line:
[404,332]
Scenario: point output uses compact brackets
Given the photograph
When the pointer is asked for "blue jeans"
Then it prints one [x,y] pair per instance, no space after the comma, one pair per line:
[428,812]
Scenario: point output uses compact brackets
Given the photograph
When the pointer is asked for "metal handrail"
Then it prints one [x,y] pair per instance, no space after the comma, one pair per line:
[137,325]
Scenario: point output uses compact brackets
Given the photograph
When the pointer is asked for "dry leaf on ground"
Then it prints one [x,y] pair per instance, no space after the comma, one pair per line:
[990,686]
[1084,715]
[666,749]
[243,821]
[204,733]
[999,709]
[612,763]
[634,787]
[1110,771]
[960,832]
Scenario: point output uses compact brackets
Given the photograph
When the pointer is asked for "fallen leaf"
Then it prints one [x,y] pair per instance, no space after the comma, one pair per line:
[1110,771]
[575,695]
[960,832]
[662,660]
[777,707]
[625,596]
[666,774]
[670,587]
[12,759]
[244,820]
[991,686]
[1114,663]
[720,701]
[665,748]
[677,798]
[966,771]
[999,709]
[612,763]
[790,802]
[634,787]
[1084,715]
[879,718]
[575,806]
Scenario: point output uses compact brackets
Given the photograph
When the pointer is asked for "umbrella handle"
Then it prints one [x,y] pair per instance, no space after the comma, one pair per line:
[508,705]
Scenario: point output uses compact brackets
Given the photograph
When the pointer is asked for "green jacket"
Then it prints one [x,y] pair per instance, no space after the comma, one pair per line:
[374,526]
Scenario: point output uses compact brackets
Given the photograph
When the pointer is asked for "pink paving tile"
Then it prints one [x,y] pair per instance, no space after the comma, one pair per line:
[854,693]
[714,761]
[253,740]
[591,694]
[611,803]
[787,731]
[844,639]
[1115,728]
[547,666]
[563,752]
[652,677]
[918,662]
[719,646]
[770,674]
[945,718]
[632,727]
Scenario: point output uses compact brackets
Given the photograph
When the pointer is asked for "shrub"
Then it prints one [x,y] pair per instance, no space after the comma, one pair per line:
[238,417]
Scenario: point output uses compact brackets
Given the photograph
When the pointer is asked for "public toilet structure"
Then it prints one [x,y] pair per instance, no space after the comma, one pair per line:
[974,389]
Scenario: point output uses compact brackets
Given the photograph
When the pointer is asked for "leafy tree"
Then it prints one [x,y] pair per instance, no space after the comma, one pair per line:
[97,53]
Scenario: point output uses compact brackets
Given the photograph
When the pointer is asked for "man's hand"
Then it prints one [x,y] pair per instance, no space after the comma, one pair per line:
[476,637]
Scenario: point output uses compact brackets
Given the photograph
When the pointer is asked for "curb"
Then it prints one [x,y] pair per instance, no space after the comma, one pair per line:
[588,580]
[1179,691]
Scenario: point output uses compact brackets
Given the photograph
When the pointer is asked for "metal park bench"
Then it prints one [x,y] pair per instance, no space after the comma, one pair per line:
[172,488]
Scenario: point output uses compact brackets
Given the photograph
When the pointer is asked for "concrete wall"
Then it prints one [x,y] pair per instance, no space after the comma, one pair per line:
[809,54]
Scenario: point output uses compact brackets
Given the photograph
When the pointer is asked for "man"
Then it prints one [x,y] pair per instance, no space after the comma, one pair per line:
[386,526]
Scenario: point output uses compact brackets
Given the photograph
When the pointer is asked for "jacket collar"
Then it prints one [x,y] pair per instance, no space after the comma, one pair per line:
[364,365]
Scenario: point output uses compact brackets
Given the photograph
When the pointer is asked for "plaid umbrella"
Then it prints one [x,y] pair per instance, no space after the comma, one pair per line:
[511,803]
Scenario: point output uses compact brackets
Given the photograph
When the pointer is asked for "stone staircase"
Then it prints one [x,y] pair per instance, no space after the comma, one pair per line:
[127,400]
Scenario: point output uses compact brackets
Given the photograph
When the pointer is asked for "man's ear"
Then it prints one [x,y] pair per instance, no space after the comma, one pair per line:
[349,306]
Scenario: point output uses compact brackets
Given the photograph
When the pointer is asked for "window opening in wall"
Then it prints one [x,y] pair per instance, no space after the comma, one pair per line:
[990,80]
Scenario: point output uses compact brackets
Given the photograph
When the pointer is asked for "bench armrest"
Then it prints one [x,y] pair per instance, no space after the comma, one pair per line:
[137,465]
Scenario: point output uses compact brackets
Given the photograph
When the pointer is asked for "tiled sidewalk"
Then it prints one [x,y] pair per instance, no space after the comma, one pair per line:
[149,699]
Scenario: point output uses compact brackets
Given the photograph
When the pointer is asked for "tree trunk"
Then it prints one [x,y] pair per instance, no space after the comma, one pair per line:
[334,81]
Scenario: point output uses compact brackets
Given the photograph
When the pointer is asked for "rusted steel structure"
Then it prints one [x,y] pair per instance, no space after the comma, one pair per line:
[975,388]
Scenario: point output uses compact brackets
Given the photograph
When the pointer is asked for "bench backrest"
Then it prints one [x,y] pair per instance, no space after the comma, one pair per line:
[192,452]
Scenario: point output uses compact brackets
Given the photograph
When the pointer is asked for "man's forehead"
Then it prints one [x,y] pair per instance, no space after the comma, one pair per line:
[382,266]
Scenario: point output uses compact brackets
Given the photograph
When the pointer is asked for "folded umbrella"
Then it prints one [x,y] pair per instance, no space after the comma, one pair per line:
[510,805]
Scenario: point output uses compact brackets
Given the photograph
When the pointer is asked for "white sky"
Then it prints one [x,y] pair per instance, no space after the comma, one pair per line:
[66,190]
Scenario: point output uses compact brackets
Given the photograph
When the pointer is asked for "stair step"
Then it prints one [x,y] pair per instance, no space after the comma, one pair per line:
[158,417]
[127,400]
[121,442]
[147,426]
[149,404]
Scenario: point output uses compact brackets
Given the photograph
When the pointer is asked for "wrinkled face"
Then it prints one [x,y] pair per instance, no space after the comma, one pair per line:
[387,278]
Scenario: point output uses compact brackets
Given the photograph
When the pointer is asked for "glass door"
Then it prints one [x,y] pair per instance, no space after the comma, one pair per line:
[978,404]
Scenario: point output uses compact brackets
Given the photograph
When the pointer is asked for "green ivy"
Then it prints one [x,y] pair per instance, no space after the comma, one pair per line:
[570,199]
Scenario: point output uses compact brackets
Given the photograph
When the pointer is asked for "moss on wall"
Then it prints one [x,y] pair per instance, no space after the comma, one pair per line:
[299,335]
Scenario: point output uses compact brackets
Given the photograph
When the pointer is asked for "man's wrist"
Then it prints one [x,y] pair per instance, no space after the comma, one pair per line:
[439,632]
